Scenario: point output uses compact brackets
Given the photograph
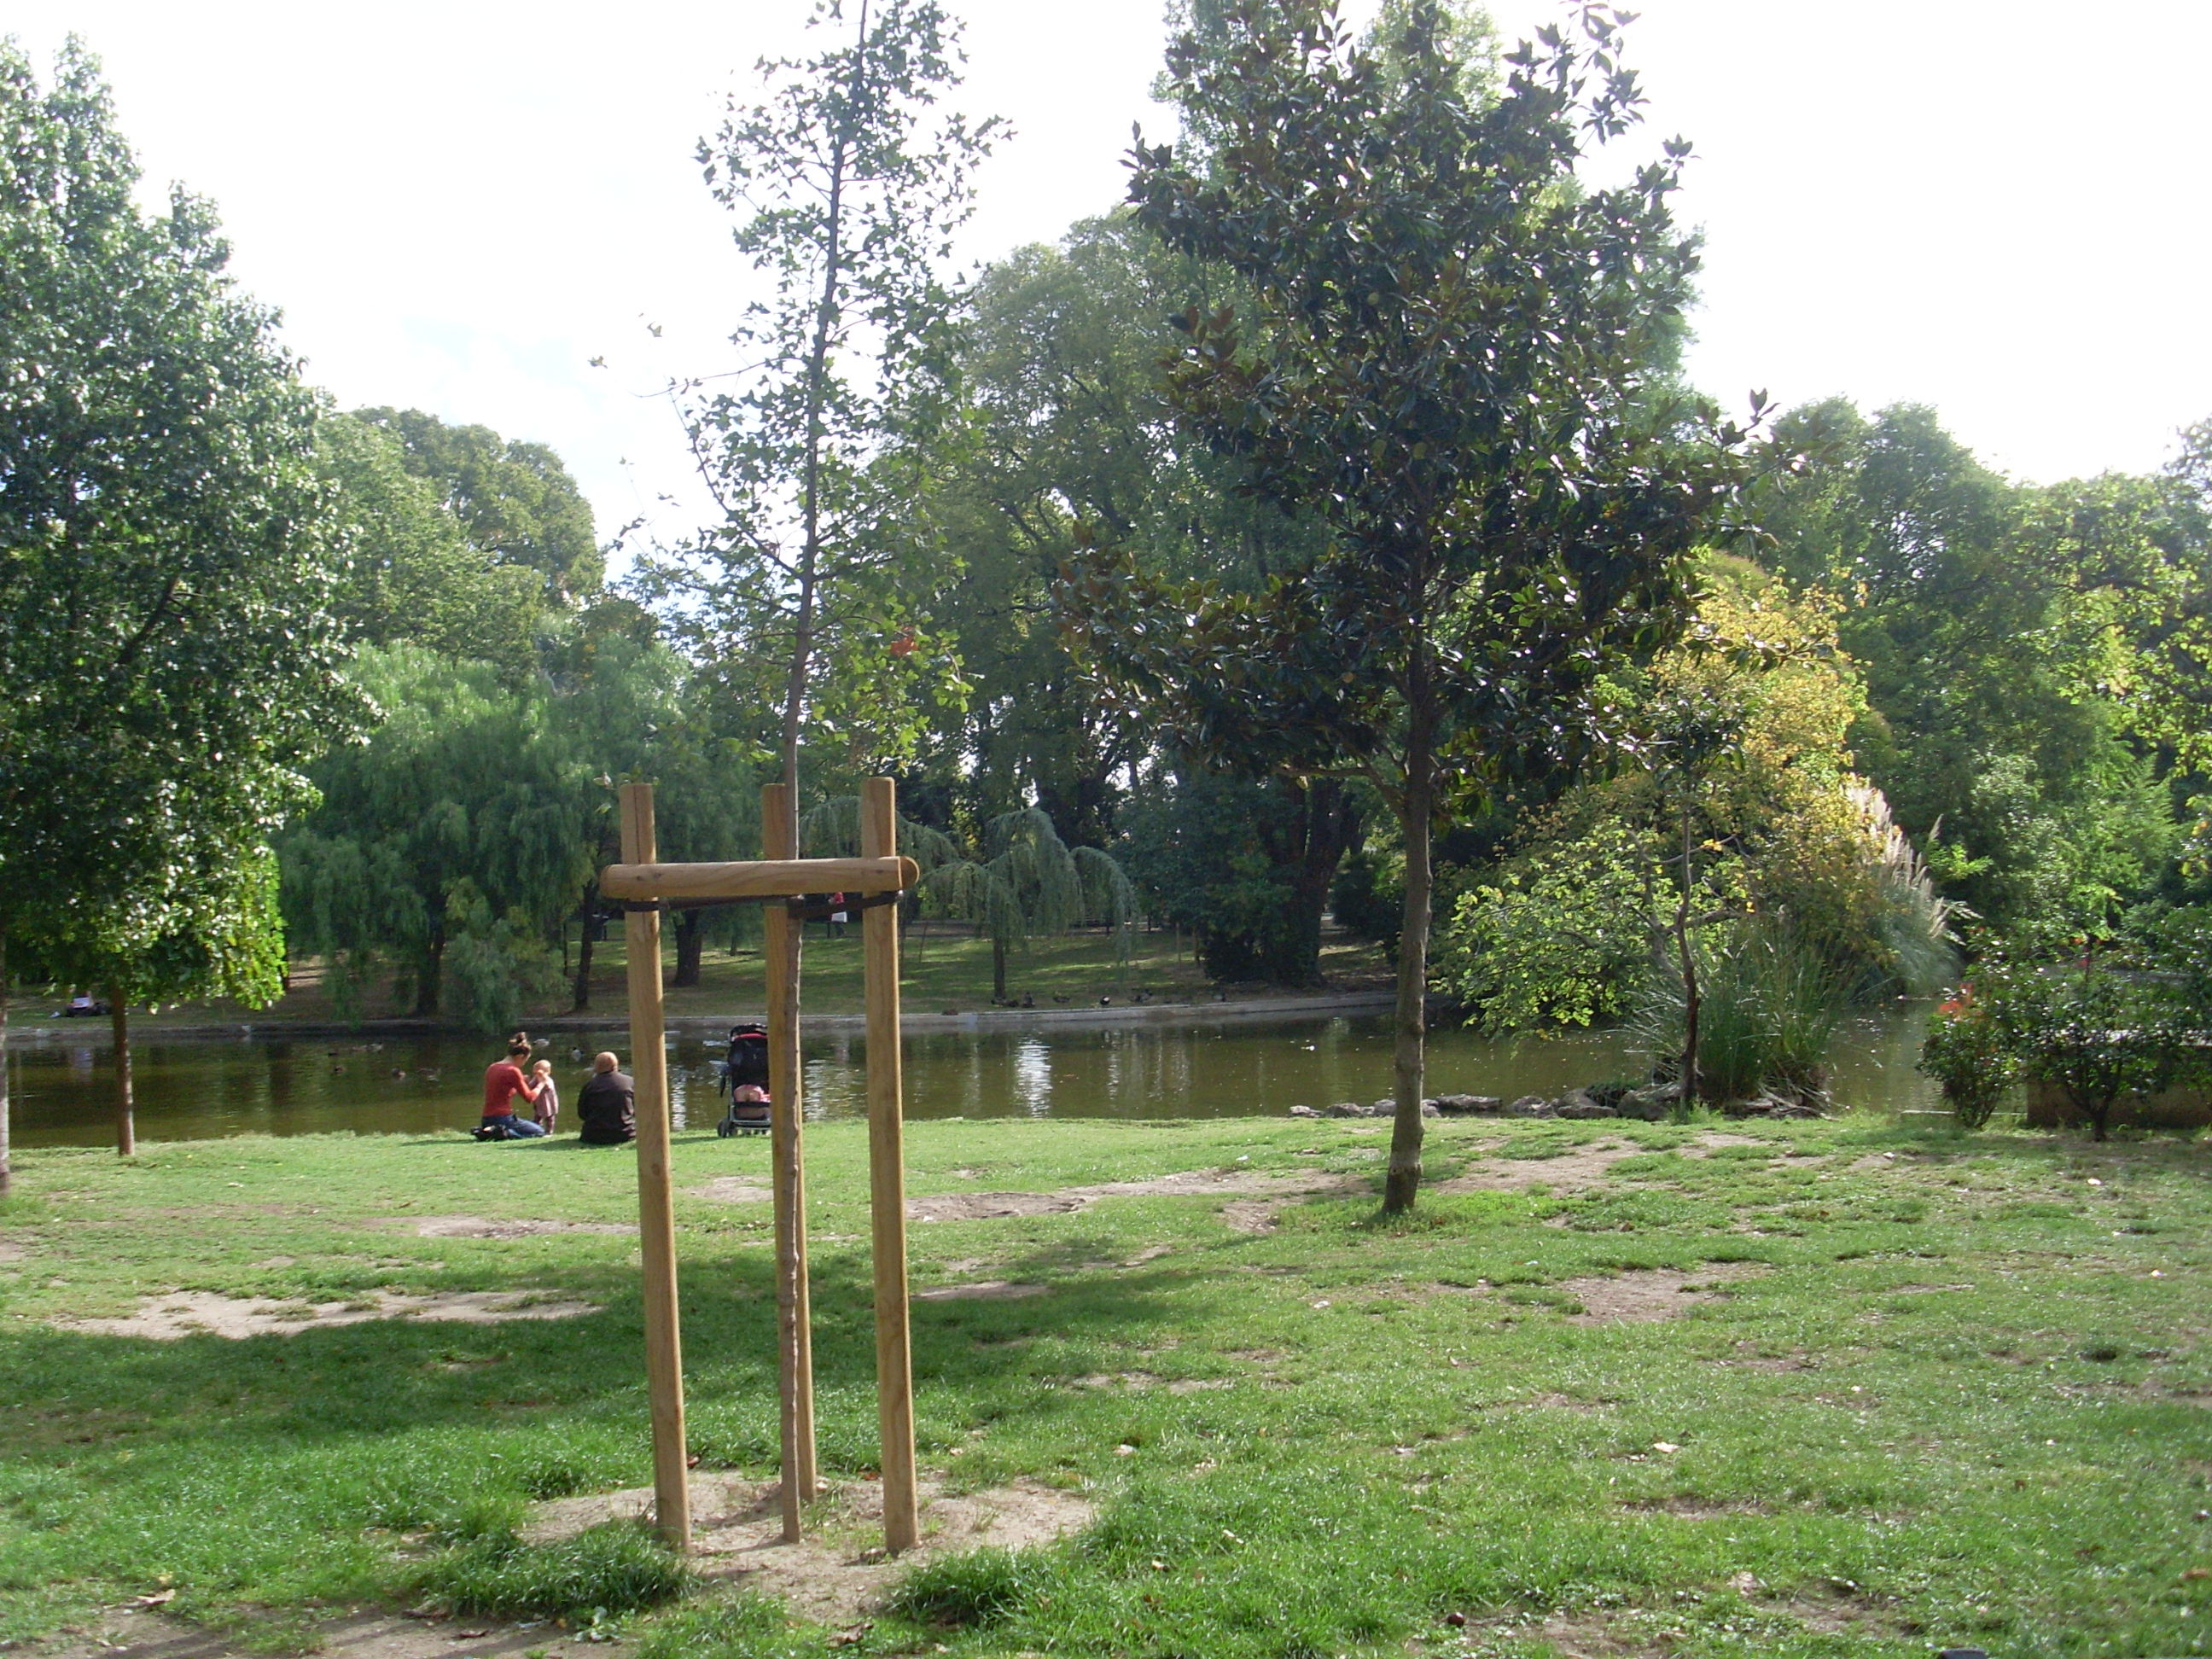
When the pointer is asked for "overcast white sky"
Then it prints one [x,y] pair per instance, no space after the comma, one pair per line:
[459,203]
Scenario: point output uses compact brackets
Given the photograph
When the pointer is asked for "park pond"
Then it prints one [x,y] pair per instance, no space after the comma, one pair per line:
[62,1089]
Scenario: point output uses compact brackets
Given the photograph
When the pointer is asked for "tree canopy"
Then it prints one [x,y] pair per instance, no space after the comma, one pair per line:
[170,660]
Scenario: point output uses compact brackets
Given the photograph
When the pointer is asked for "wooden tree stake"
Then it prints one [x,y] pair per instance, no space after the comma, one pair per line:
[887,1179]
[656,1214]
[794,1316]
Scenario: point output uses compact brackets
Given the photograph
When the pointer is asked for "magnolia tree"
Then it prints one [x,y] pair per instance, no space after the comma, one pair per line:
[1448,349]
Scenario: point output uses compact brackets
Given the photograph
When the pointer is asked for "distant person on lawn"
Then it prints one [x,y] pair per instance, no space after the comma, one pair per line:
[503,1081]
[606,1106]
[545,1110]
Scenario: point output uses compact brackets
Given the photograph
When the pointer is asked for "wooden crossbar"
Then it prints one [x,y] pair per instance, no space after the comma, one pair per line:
[758,878]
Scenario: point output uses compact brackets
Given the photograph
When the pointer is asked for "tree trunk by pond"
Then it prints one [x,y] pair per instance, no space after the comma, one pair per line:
[429,979]
[118,1019]
[7,1174]
[690,946]
[997,968]
[124,1120]
[1328,821]
[590,912]
[1687,956]
[1415,817]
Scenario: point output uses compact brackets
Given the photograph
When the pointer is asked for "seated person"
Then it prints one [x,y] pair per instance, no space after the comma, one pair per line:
[606,1106]
[503,1081]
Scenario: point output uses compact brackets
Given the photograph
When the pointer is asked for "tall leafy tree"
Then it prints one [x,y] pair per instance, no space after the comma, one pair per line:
[848,178]
[410,571]
[514,502]
[462,822]
[2025,651]
[1447,356]
[167,656]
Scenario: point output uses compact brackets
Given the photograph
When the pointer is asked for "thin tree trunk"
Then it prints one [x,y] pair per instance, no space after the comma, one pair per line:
[581,998]
[1688,958]
[7,1171]
[1329,819]
[690,946]
[126,1128]
[1415,819]
[432,981]
[997,969]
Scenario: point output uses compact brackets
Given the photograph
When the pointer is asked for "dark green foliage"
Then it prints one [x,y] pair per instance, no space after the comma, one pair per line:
[2097,1034]
[514,502]
[617,1567]
[1364,899]
[1968,1054]
[1994,622]
[1245,865]
[411,573]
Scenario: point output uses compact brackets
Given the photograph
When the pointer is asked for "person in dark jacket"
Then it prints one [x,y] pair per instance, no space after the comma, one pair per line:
[606,1108]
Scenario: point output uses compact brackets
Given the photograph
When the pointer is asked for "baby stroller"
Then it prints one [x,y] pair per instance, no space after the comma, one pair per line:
[744,1076]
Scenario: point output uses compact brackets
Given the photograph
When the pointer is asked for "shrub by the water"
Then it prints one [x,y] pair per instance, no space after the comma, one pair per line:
[2098,1036]
[1967,1054]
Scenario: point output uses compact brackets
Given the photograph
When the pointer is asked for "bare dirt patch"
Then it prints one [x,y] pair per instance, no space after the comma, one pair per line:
[986,1206]
[1643,1295]
[476,1226]
[837,1571]
[130,1634]
[1560,1402]
[207,1313]
[1570,1172]
[733,1189]
[1580,1635]
[988,1289]
[1247,1212]
[1780,1365]
[1694,1508]
[11,1252]
[1141,1380]
[1576,1171]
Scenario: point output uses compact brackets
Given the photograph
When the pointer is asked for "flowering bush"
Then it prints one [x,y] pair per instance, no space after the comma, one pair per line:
[1969,1056]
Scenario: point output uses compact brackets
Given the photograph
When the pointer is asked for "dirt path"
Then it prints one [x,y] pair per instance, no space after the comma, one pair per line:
[207,1313]
[1576,1171]
[839,1572]
[133,1633]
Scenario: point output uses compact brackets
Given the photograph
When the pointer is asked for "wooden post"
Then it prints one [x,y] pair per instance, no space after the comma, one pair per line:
[794,1318]
[887,1179]
[656,1214]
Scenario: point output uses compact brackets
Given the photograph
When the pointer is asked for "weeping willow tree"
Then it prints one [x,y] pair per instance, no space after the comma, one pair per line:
[1017,880]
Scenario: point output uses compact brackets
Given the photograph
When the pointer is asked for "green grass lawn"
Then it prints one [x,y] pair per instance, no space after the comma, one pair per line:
[1956,1395]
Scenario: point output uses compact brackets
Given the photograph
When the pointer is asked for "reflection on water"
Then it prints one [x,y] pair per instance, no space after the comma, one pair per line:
[60,1091]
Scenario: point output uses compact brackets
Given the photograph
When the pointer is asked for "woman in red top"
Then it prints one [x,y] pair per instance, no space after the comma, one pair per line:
[503,1080]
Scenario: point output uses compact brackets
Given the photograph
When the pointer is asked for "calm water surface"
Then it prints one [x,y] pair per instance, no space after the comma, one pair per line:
[61,1091]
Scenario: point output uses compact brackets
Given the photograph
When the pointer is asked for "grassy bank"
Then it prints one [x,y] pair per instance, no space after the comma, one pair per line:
[945,967]
[1903,1391]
